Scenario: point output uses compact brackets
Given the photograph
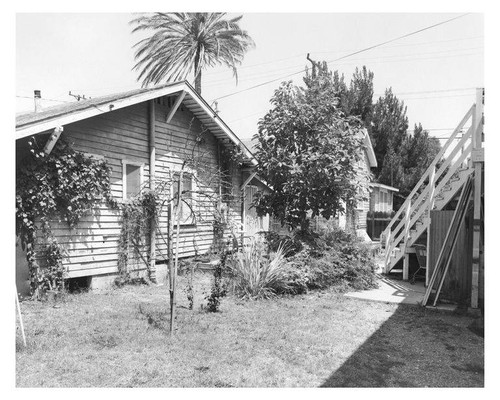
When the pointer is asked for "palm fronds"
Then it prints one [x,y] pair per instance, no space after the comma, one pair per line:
[187,43]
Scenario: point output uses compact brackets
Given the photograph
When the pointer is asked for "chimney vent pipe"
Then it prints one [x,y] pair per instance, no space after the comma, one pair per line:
[38,97]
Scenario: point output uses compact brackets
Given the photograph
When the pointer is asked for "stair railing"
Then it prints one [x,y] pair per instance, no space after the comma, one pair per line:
[389,233]
[418,212]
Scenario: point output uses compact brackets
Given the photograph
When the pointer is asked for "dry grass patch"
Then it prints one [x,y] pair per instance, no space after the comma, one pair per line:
[120,339]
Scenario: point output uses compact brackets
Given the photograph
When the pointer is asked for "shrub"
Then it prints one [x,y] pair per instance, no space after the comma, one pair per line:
[335,258]
[275,240]
[258,275]
[218,288]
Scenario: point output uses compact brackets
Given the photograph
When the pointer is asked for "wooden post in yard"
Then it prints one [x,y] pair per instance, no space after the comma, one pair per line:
[173,277]
[406,261]
[152,187]
[477,163]
[432,186]
[20,317]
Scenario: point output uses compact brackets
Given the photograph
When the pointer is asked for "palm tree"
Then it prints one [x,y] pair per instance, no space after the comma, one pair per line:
[185,42]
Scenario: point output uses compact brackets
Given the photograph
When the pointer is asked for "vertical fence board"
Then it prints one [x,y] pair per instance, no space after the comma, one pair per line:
[457,284]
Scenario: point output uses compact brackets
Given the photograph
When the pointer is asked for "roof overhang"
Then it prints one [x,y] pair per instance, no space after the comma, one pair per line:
[382,186]
[192,101]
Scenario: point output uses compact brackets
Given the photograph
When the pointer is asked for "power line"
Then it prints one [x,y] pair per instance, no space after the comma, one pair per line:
[430,91]
[349,55]
[413,44]
[210,74]
[43,98]
[437,97]
[377,60]
[386,59]
[396,94]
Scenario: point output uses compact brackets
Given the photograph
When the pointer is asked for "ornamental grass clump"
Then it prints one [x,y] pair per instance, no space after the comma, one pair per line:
[259,275]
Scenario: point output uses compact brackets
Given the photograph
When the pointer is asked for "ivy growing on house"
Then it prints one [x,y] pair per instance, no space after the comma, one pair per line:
[61,186]
[138,214]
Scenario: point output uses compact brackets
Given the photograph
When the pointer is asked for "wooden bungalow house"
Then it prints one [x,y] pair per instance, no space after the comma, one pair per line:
[356,219]
[145,135]
[380,208]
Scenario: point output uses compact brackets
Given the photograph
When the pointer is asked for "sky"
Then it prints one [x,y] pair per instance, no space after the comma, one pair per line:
[435,72]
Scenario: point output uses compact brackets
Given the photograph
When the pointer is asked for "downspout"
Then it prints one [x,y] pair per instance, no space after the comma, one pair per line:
[152,187]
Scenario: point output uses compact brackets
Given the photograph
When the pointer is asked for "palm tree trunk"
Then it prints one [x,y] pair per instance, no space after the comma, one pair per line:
[197,83]
[197,78]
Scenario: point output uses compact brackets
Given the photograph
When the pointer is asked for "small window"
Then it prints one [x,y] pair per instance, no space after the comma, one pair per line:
[132,179]
[186,216]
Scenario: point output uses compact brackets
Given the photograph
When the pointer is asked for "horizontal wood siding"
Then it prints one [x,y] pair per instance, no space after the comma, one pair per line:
[92,246]
[185,138]
[363,205]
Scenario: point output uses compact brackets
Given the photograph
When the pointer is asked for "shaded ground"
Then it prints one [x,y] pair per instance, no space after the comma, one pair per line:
[119,339]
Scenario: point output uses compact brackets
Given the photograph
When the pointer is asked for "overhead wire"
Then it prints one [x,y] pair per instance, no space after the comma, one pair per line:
[43,98]
[263,74]
[350,54]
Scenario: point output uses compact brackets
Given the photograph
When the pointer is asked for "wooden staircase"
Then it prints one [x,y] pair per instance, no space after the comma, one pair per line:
[436,188]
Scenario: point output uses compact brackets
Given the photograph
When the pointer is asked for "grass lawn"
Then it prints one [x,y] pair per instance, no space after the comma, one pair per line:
[119,338]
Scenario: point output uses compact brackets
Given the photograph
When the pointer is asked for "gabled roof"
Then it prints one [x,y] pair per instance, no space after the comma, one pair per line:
[31,123]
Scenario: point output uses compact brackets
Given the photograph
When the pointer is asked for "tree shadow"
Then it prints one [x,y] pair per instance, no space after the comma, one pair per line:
[416,347]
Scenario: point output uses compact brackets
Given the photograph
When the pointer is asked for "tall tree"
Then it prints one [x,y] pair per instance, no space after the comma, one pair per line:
[361,95]
[418,152]
[388,131]
[185,43]
[308,152]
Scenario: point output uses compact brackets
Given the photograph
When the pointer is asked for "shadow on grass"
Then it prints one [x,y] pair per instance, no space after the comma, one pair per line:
[416,348]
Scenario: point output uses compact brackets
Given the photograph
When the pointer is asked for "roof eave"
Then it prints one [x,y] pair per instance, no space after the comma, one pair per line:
[33,128]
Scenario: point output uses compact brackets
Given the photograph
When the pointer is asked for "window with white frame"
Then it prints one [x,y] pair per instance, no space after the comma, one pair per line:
[132,178]
[186,216]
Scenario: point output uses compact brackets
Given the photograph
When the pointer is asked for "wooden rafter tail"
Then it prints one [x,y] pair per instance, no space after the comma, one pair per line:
[53,138]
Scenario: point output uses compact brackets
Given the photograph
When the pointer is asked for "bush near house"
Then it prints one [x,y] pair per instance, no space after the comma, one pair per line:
[320,260]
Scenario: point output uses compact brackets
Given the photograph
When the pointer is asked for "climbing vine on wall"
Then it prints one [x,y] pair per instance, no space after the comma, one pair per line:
[61,186]
[137,215]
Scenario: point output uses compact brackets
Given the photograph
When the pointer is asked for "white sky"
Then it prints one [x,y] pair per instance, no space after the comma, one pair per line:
[92,54]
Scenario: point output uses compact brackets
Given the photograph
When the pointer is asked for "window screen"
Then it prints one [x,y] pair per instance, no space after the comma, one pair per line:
[133,180]
[186,213]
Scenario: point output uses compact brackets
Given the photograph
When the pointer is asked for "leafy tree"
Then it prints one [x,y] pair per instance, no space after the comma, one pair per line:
[388,132]
[401,158]
[341,92]
[419,150]
[361,95]
[182,43]
[308,151]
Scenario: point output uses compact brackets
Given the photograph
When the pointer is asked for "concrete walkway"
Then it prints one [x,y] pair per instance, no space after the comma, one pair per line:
[393,291]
